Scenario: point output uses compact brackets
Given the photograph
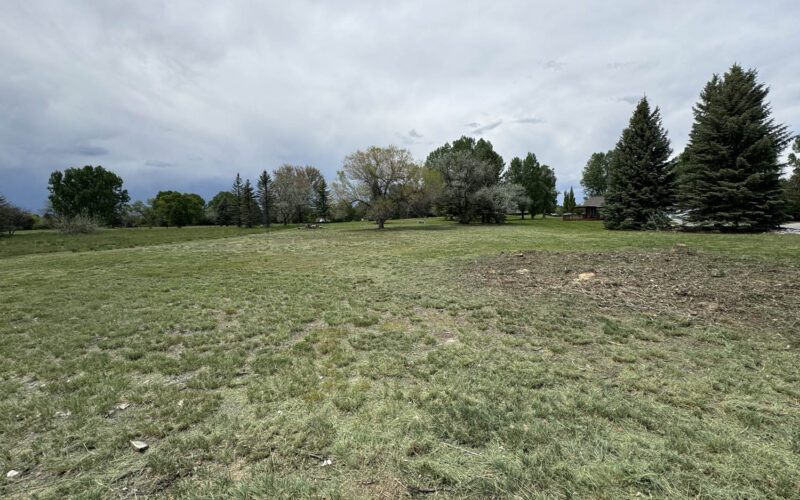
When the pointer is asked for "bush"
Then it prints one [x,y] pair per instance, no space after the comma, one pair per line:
[78,224]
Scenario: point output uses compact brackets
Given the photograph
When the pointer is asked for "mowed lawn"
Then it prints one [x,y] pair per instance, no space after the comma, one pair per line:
[535,359]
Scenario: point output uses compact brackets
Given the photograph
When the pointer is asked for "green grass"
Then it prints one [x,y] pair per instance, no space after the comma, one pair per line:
[419,360]
[47,241]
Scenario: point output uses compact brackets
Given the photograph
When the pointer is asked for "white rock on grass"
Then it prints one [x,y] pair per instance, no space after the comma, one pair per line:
[12,474]
[139,445]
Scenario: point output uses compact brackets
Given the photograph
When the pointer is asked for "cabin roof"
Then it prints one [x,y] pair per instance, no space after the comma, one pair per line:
[593,201]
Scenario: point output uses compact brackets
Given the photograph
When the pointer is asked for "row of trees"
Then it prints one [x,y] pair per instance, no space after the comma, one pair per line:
[728,178]
[292,194]
[13,217]
[464,180]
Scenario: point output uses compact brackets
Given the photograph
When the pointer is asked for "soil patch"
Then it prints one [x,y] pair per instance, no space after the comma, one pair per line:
[672,281]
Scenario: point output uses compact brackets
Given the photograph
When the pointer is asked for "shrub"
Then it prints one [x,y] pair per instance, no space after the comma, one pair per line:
[78,224]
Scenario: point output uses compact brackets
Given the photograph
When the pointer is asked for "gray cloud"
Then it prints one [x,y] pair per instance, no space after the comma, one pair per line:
[554,65]
[90,151]
[487,128]
[209,90]
[530,120]
[630,99]
[413,133]
[159,164]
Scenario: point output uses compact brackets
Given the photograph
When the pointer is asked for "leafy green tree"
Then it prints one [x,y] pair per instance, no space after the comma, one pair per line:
[237,190]
[494,202]
[379,178]
[265,196]
[595,174]
[481,149]
[321,199]
[516,174]
[538,182]
[13,218]
[144,214]
[792,184]
[544,195]
[91,191]
[640,186]
[463,175]
[178,209]
[731,179]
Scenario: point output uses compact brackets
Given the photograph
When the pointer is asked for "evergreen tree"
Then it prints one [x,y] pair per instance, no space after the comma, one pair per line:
[569,200]
[265,196]
[248,211]
[322,199]
[731,176]
[640,188]
[236,208]
[792,185]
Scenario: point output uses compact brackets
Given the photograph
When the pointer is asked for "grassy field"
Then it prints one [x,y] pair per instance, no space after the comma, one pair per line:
[31,242]
[535,359]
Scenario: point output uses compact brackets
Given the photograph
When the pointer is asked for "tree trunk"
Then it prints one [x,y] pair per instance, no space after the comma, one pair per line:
[380,223]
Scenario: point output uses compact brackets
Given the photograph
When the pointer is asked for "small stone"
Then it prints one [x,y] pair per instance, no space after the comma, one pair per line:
[122,406]
[12,474]
[63,414]
[585,276]
[680,245]
[523,271]
[180,403]
[519,255]
[139,446]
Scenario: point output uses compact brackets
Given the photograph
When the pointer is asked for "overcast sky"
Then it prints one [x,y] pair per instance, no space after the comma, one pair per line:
[182,95]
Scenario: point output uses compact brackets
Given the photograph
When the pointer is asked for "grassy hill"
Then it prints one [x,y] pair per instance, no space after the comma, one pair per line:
[531,359]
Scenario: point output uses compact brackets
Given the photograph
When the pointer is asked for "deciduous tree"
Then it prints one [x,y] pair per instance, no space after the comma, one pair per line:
[595,174]
[378,178]
[91,191]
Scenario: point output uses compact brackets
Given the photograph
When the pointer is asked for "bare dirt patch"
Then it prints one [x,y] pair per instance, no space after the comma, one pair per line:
[672,281]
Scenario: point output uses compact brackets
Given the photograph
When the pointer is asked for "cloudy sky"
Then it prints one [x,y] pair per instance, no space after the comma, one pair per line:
[182,95]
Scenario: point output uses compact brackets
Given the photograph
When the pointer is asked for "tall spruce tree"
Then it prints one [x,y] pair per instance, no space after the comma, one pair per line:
[640,186]
[321,199]
[792,184]
[731,177]
[265,197]
[569,201]
[249,208]
[236,208]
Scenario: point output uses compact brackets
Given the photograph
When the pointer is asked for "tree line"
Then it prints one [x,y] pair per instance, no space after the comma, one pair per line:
[728,178]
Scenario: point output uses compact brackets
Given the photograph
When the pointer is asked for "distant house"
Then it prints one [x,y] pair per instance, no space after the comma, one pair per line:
[591,209]
[592,206]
